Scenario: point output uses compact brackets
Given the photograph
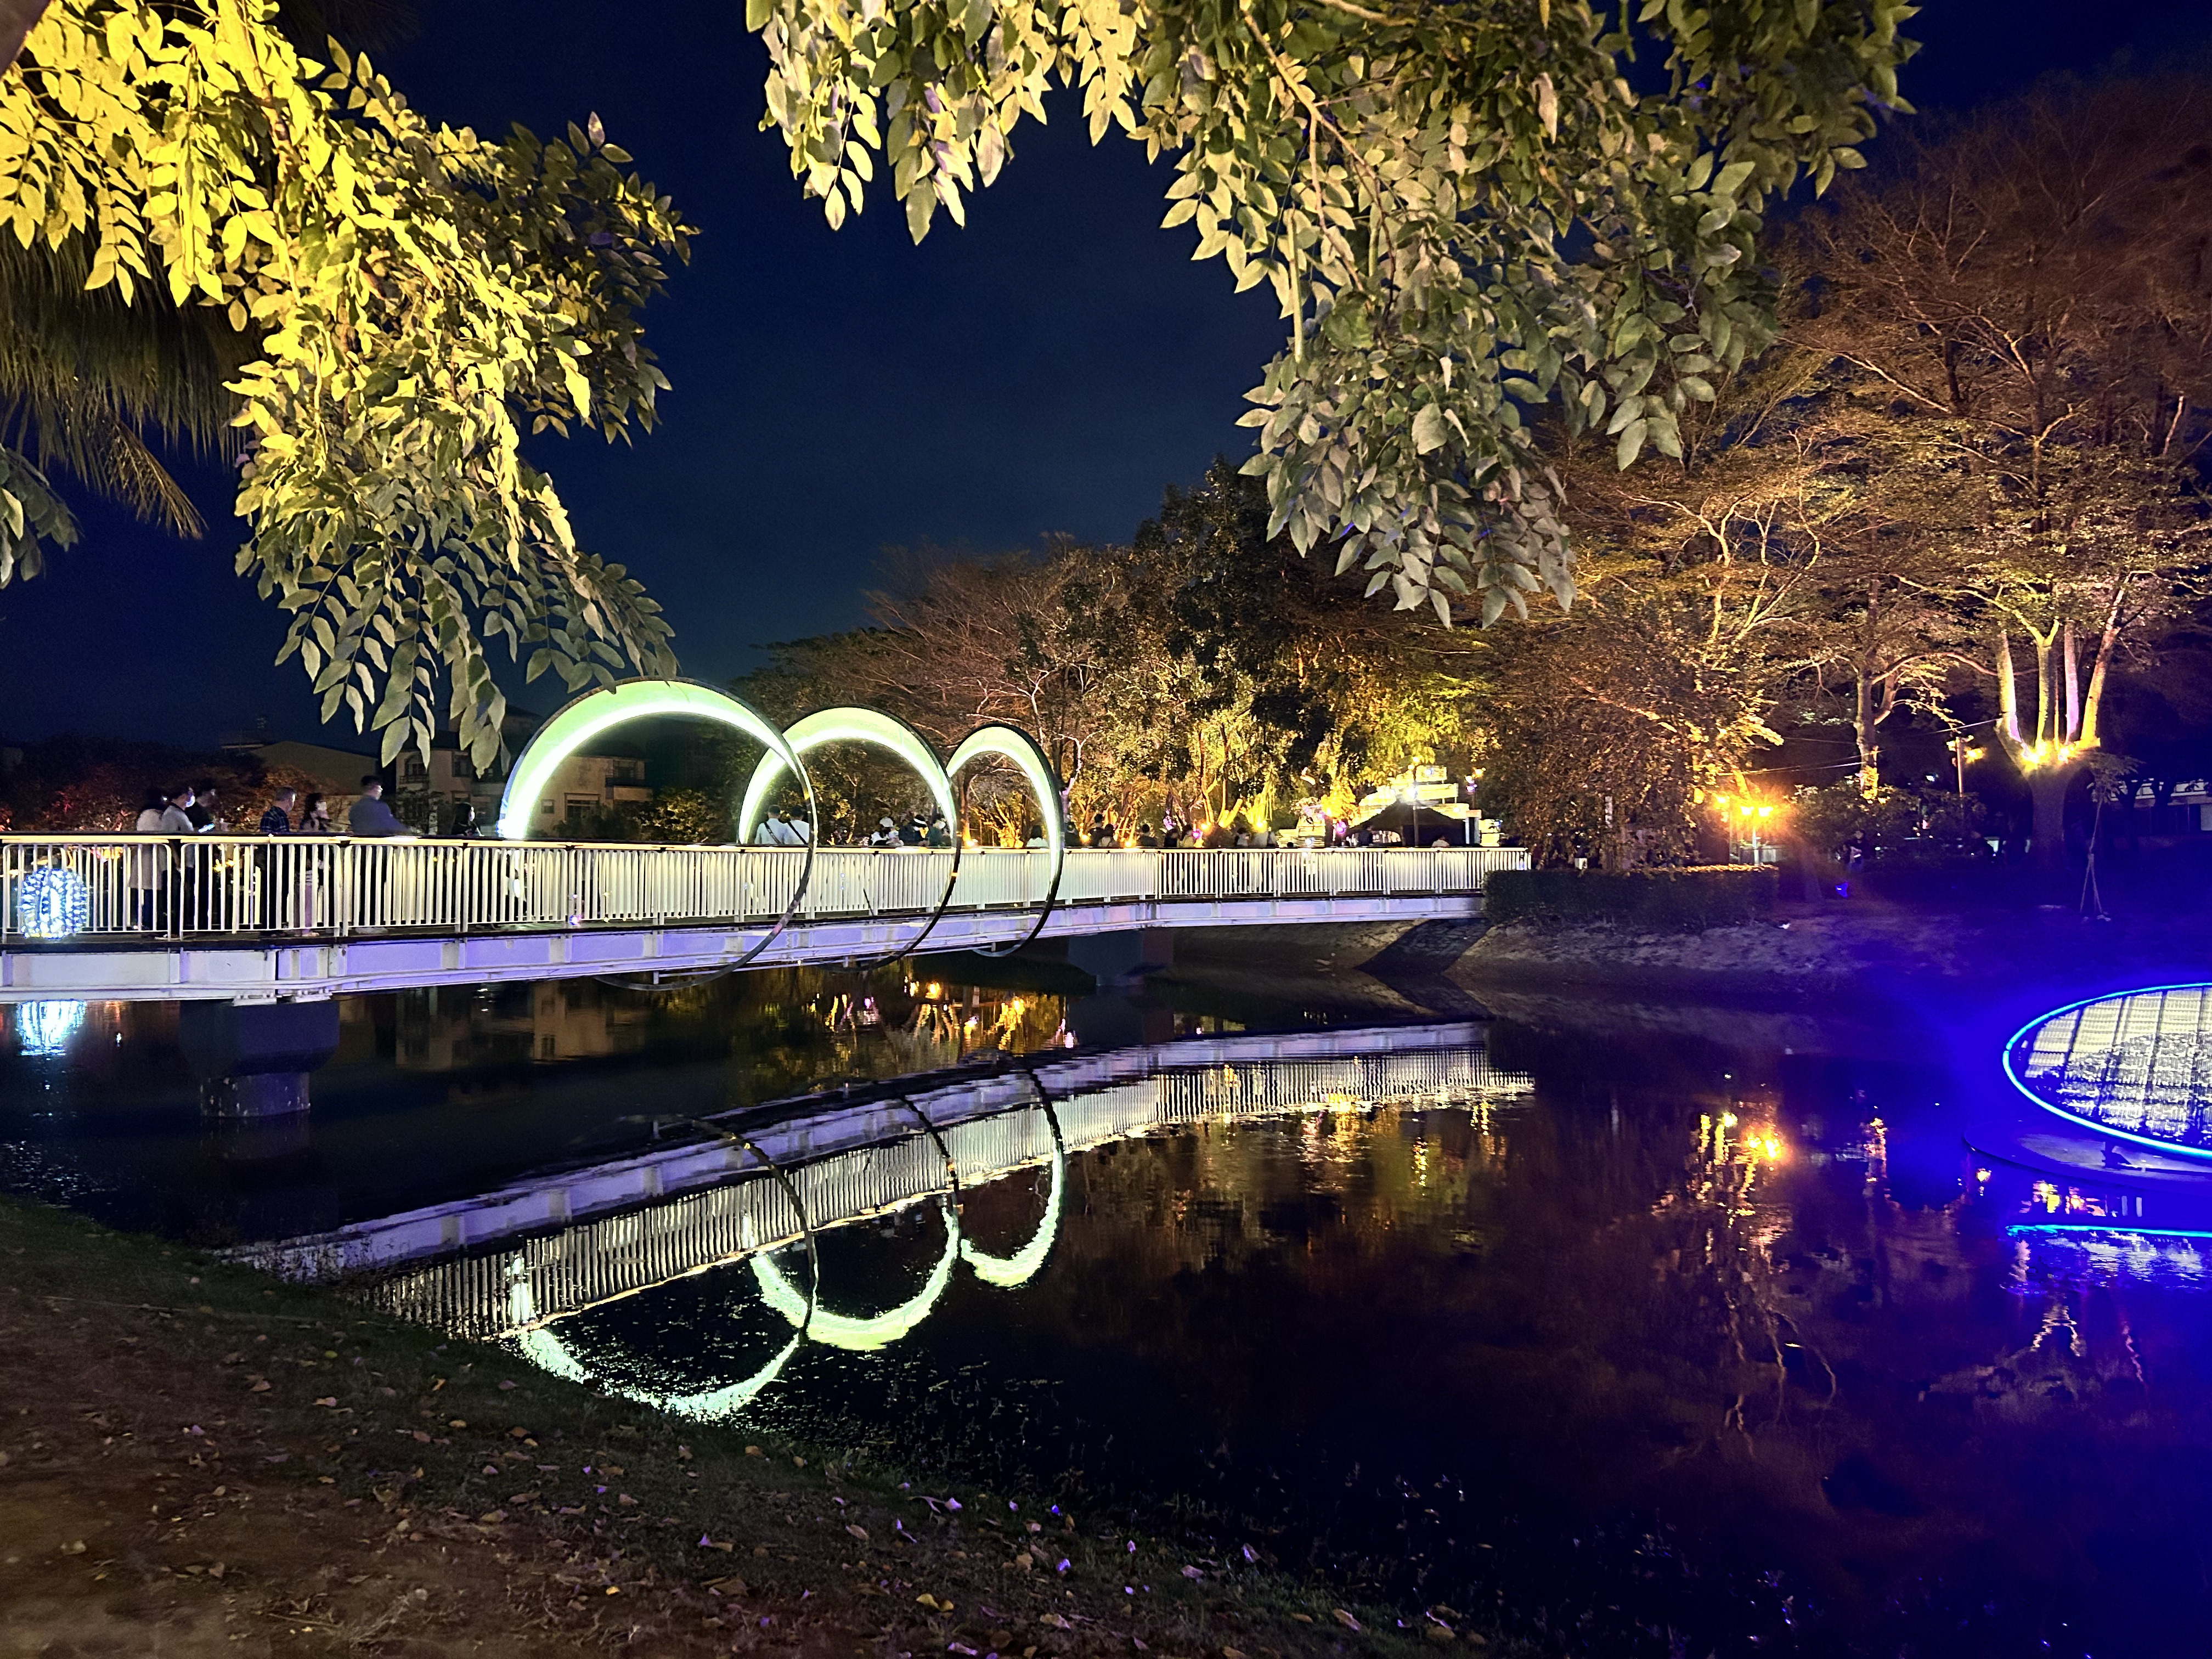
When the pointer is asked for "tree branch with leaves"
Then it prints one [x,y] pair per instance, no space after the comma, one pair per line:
[411,297]
[1469,215]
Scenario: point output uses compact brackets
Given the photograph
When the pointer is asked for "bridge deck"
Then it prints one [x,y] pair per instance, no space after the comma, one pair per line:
[247,916]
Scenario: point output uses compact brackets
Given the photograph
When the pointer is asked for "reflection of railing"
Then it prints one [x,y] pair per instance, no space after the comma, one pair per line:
[645,1220]
[153,888]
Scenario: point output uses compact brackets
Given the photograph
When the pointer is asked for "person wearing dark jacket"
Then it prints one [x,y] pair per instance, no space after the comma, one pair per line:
[370,817]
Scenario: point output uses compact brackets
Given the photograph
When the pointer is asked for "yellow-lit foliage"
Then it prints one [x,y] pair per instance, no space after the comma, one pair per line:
[414,296]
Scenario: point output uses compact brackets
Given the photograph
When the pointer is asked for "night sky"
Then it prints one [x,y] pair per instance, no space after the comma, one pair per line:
[1050,368]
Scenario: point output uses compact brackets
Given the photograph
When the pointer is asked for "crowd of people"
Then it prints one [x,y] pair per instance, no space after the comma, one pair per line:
[194,810]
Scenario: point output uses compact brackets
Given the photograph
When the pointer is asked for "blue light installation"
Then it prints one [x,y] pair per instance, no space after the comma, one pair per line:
[2136,1065]
[43,1030]
[52,901]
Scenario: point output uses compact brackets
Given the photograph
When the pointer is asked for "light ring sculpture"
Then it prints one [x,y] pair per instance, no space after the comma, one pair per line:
[858,1335]
[1009,1272]
[547,1350]
[880,731]
[1009,743]
[580,720]
[2027,1060]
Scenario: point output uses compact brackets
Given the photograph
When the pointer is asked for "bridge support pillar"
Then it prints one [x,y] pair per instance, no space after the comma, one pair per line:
[1114,1019]
[252,1059]
[1119,958]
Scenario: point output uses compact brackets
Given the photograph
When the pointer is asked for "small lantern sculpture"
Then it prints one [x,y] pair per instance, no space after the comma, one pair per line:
[52,902]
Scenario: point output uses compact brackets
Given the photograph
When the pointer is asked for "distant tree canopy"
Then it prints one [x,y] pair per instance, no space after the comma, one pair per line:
[1205,669]
[1976,451]
[1469,214]
[210,231]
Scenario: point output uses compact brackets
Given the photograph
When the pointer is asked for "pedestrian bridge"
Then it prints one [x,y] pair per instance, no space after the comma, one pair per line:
[254,918]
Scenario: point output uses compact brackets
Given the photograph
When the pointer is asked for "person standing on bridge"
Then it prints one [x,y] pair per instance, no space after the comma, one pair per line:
[370,817]
[277,820]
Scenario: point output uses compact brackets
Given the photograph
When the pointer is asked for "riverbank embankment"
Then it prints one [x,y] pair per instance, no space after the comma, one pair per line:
[196,1459]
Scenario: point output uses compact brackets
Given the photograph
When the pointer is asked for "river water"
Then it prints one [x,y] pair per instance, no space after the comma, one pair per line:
[1663,1331]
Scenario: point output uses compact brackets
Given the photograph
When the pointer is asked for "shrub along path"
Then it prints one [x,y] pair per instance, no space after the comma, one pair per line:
[197,1460]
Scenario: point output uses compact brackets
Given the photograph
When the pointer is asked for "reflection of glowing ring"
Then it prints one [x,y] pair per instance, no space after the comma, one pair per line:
[1011,743]
[877,1330]
[1010,1271]
[2028,1032]
[586,717]
[544,1349]
[885,731]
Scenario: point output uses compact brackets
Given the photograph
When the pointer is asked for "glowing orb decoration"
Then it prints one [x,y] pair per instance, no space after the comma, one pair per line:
[52,901]
[43,1029]
[2136,1066]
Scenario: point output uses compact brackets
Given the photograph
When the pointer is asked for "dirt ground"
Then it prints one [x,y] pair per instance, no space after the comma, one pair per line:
[195,1461]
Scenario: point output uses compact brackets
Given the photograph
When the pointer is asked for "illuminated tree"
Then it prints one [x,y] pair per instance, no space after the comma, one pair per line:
[1467,213]
[402,298]
[1207,667]
[2028,295]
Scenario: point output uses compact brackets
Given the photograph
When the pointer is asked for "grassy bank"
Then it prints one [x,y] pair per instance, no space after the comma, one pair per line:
[197,1459]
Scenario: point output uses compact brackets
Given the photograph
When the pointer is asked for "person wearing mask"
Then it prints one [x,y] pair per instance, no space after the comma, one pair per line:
[911,833]
[315,816]
[370,818]
[177,821]
[940,834]
[177,813]
[886,834]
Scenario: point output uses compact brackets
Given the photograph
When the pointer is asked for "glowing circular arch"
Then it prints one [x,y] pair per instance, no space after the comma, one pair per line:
[1011,742]
[847,1331]
[1010,1272]
[547,1349]
[879,731]
[580,720]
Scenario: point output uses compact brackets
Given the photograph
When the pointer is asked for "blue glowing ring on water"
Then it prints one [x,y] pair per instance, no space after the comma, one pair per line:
[2013,1044]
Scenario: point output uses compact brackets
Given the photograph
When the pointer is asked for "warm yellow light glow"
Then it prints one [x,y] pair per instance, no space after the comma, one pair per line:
[1767,1143]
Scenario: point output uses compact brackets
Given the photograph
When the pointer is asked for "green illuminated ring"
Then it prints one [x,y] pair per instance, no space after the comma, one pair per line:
[1010,1272]
[596,711]
[857,1335]
[881,731]
[1011,743]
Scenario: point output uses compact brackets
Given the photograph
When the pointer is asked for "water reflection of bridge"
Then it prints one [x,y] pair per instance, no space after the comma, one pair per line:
[521,1258]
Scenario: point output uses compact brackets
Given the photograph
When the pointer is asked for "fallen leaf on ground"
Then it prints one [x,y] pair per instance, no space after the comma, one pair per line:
[860,1532]
[1345,1619]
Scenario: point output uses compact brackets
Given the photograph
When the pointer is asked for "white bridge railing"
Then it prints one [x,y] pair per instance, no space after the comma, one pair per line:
[115,889]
